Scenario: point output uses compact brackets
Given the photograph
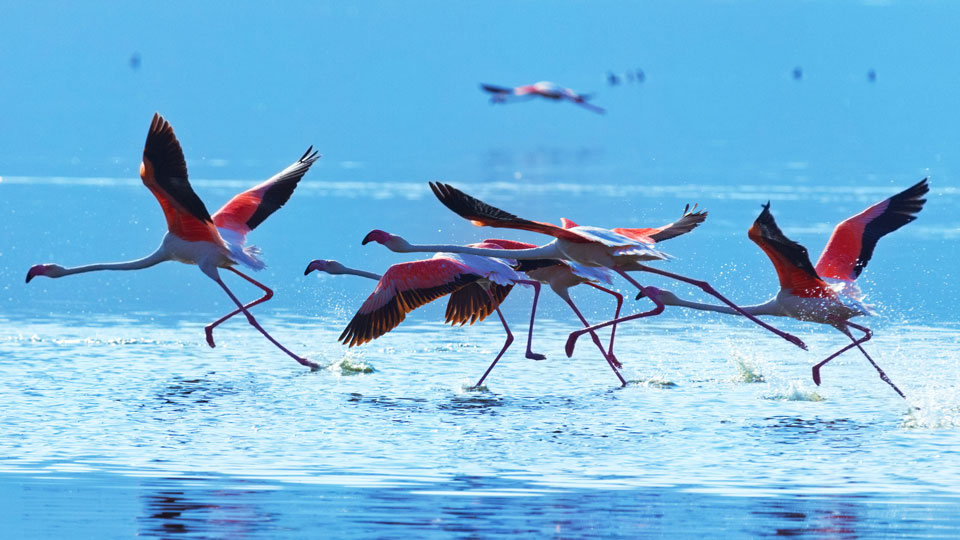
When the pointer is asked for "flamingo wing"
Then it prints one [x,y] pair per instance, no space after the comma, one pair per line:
[687,222]
[852,243]
[482,214]
[403,288]
[790,259]
[472,304]
[247,210]
[164,172]
[500,90]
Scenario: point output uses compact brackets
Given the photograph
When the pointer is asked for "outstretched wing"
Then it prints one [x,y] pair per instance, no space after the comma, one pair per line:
[790,259]
[852,243]
[482,214]
[472,304]
[500,90]
[403,288]
[164,172]
[687,222]
[247,210]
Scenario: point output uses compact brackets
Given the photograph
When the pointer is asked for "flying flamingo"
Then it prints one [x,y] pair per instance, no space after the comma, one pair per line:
[826,293]
[544,89]
[561,275]
[406,286]
[193,236]
[620,249]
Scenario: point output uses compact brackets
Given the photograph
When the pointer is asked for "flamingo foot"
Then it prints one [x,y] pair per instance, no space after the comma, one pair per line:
[796,341]
[616,363]
[209,332]
[307,363]
[535,356]
[816,375]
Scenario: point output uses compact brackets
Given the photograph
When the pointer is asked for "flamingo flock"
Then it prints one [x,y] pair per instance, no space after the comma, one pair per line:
[477,278]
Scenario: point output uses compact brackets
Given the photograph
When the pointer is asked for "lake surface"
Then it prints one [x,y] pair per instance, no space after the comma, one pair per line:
[117,420]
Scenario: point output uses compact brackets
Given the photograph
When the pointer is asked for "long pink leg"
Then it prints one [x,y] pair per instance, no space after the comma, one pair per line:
[619,297]
[658,309]
[255,324]
[506,345]
[268,295]
[611,360]
[867,334]
[533,313]
[707,288]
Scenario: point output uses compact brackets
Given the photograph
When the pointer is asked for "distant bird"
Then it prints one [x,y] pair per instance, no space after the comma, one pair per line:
[544,89]
[797,73]
[561,275]
[872,76]
[406,286]
[827,293]
[135,61]
[613,79]
[193,236]
[640,76]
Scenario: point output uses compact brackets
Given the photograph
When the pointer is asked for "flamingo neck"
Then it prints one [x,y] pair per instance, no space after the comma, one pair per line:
[769,308]
[154,258]
[548,251]
[354,272]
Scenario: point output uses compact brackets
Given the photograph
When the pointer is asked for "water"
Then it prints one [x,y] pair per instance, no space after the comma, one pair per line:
[118,420]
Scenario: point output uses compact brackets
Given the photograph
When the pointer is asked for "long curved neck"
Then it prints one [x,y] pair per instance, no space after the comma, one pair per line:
[354,272]
[156,257]
[768,308]
[548,251]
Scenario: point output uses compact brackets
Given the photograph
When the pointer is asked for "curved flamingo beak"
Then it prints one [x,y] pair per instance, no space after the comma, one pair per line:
[376,235]
[36,270]
[315,265]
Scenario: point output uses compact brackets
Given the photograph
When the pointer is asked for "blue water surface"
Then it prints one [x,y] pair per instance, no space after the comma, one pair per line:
[119,420]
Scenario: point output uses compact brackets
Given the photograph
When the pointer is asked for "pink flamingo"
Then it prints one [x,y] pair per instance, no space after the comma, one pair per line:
[561,275]
[193,236]
[544,89]
[826,293]
[620,249]
[406,286]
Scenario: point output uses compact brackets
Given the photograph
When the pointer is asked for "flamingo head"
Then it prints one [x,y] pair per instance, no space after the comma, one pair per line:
[392,241]
[323,265]
[48,270]
[665,297]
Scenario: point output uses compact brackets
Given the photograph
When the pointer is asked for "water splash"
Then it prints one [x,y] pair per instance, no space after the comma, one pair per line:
[351,364]
[657,381]
[795,391]
[749,369]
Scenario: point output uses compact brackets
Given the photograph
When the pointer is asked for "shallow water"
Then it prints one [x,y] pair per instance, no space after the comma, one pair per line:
[129,424]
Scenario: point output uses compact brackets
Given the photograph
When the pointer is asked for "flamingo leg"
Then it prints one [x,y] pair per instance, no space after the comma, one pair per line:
[533,313]
[255,324]
[658,309]
[611,360]
[616,314]
[867,334]
[268,294]
[506,345]
[707,288]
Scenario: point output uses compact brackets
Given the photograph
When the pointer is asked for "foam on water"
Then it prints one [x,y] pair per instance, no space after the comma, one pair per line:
[795,391]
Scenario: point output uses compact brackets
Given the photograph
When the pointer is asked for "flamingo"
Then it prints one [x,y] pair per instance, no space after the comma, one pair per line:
[561,275]
[826,293]
[620,249]
[544,89]
[406,286]
[193,235]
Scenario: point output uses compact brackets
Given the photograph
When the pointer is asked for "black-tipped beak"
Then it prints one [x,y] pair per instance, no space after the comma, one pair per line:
[640,295]
[366,239]
[307,271]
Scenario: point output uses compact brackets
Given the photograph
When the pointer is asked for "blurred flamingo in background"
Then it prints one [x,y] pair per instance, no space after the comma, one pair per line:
[406,286]
[827,293]
[193,236]
[544,89]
